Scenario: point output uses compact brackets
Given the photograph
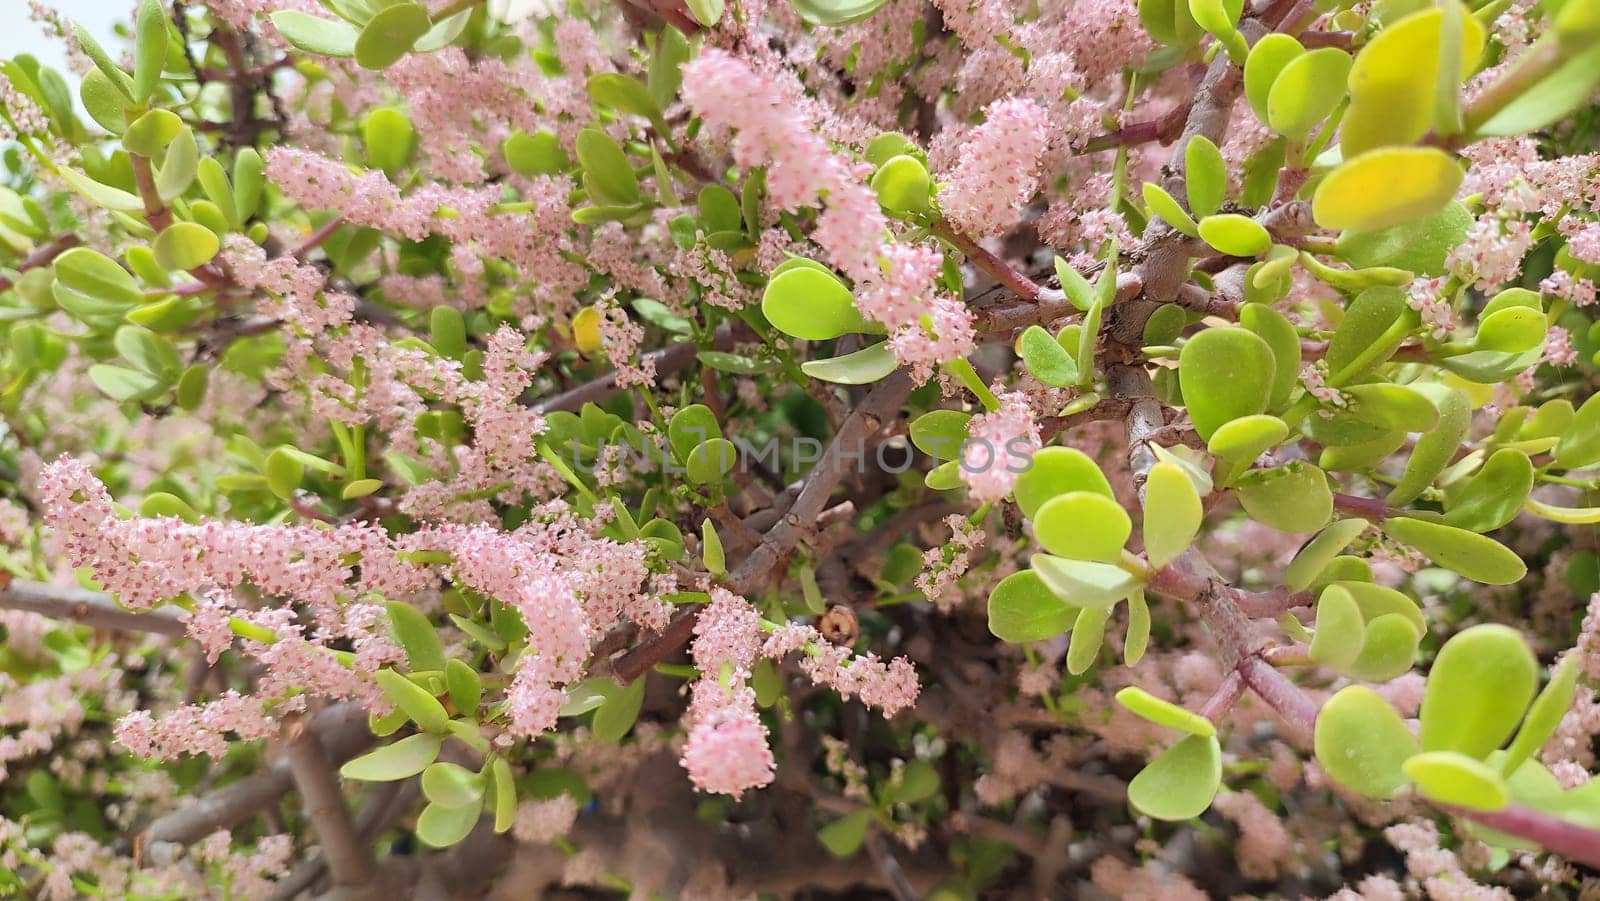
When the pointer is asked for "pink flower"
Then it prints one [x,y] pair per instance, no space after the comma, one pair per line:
[998,448]
[998,170]
[728,753]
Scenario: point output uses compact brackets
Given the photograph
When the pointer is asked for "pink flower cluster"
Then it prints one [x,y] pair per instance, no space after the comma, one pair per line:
[727,750]
[566,583]
[893,285]
[998,448]
[998,169]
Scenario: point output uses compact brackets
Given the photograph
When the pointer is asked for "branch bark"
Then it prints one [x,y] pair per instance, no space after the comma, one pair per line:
[320,791]
[89,608]
[342,730]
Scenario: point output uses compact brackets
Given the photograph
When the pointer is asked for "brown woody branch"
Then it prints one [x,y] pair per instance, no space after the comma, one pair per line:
[323,798]
[89,608]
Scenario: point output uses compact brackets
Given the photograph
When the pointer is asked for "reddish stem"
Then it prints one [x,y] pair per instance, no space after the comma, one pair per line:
[997,268]
[322,234]
[42,256]
[1570,840]
[1222,700]
[1365,507]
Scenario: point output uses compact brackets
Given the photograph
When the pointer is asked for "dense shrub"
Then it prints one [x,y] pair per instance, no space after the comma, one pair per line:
[682,449]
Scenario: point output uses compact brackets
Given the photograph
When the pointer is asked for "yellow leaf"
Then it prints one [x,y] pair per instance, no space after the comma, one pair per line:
[1386,187]
[586,330]
[1394,80]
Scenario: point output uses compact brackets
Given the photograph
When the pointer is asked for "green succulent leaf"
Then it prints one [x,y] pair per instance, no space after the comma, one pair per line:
[1022,608]
[1181,783]
[1172,513]
[1085,583]
[1448,777]
[1481,684]
[1362,743]
[811,303]
[1226,373]
[394,761]
[1058,470]
[1084,525]
[1477,557]
[1164,713]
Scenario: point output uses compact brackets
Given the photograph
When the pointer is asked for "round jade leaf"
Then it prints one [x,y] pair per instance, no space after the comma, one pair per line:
[1448,777]
[607,173]
[1512,330]
[185,246]
[1084,583]
[1354,457]
[1164,713]
[1395,79]
[1380,600]
[902,185]
[944,477]
[1266,62]
[1306,91]
[1058,470]
[1280,335]
[1247,437]
[1341,629]
[391,34]
[1494,495]
[316,34]
[151,132]
[439,826]
[709,462]
[1046,359]
[1374,325]
[1235,235]
[691,427]
[1226,373]
[811,304]
[1293,497]
[1169,22]
[1389,649]
[397,760]
[1172,513]
[1545,715]
[1578,448]
[96,275]
[1481,684]
[1419,246]
[1387,186]
[120,383]
[451,784]
[1317,553]
[863,367]
[539,153]
[1393,407]
[825,12]
[1165,324]
[1181,783]
[1022,608]
[1137,637]
[1206,177]
[1362,743]
[940,433]
[887,146]
[1479,558]
[1166,206]
[1084,525]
